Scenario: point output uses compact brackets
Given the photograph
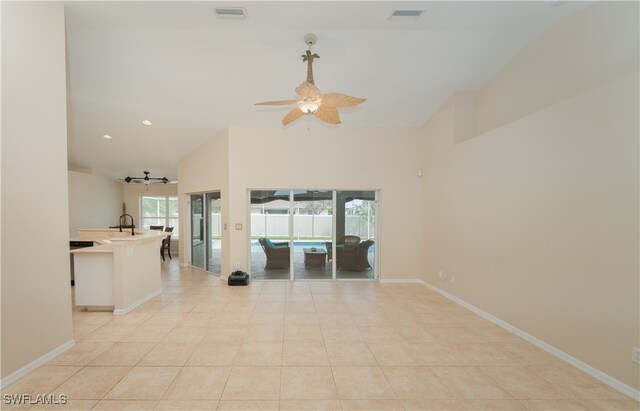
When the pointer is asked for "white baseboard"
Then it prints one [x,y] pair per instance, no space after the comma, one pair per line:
[594,372]
[16,375]
[123,311]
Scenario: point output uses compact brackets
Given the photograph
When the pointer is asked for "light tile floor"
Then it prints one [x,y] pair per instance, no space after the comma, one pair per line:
[202,345]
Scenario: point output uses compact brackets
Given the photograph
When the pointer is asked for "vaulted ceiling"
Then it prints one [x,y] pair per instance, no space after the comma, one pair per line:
[192,74]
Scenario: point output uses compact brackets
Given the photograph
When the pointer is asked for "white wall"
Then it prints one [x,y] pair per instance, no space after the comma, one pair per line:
[36,295]
[95,201]
[537,218]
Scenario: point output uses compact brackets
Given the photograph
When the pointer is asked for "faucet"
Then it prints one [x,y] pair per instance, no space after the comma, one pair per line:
[125,220]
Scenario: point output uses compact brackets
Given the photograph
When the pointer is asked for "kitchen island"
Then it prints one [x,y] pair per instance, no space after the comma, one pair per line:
[120,272]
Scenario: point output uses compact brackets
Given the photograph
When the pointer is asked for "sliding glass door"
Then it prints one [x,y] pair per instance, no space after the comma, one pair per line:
[312,228]
[355,234]
[206,234]
[197,230]
[312,234]
[214,232]
[270,256]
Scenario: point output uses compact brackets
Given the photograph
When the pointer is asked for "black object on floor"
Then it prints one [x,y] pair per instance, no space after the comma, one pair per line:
[74,245]
[238,278]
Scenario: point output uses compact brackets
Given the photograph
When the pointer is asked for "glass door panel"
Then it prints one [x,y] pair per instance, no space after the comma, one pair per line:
[270,253]
[214,232]
[312,231]
[197,231]
[355,234]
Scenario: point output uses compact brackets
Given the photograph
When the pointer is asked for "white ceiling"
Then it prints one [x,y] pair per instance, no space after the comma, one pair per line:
[193,74]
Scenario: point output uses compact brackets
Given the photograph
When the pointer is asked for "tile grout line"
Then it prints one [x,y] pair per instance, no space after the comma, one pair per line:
[333,376]
[383,373]
[322,294]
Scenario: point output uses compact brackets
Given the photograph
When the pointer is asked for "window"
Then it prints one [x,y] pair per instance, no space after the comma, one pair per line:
[162,210]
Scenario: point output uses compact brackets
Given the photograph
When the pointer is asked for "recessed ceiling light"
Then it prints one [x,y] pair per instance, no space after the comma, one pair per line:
[106,136]
[146,122]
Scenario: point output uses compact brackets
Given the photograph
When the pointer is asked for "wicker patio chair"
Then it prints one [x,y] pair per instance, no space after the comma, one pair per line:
[354,258]
[346,241]
[278,254]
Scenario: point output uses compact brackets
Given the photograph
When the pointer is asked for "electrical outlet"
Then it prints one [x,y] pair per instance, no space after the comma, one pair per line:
[445,276]
[636,354]
[440,273]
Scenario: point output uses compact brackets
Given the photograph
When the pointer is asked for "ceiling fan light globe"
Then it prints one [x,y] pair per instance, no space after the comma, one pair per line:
[308,107]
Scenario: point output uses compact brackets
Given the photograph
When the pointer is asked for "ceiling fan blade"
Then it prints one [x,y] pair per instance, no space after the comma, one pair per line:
[308,91]
[328,114]
[293,115]
[341,100]
[277,103]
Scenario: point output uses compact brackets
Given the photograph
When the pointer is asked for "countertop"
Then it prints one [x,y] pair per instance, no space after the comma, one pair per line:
[102,248]
[106,242]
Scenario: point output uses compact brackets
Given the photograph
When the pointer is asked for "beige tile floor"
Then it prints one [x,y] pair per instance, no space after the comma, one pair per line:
[202,345]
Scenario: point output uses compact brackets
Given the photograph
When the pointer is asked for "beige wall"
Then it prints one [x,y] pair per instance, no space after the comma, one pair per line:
[95,201]
[590,48]
[332,158]
[36,299]
[206,169]
[537,219]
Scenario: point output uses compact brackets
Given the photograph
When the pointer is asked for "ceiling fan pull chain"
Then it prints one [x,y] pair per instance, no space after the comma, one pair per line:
[308,128]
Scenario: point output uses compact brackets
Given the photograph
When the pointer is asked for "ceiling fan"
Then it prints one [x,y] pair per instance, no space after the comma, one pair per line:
[147,180]
[323,106]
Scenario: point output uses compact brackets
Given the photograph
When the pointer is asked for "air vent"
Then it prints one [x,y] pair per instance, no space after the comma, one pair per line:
[235,13]
[405,15]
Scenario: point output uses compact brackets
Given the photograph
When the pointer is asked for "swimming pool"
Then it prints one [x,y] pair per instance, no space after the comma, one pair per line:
[298,245]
